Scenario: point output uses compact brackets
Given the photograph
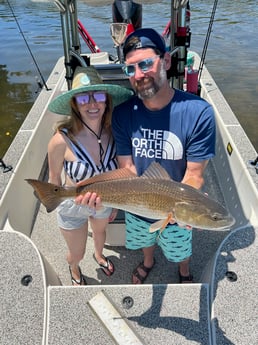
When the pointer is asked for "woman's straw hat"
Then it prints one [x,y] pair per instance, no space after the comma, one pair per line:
[87,79]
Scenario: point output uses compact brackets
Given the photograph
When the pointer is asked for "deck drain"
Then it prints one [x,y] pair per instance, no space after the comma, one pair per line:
[127,302]
[26,280]
[231,276]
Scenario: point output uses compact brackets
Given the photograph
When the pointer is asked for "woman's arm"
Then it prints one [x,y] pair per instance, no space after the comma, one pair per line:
[56,152]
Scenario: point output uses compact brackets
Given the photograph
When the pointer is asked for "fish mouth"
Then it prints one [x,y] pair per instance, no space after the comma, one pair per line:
[225,224]
[231,221]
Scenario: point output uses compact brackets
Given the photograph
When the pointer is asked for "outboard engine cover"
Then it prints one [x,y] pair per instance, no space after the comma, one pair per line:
[127,11]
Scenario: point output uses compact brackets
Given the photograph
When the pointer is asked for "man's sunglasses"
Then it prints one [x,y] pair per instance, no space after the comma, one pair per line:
[144,65]
[85,98]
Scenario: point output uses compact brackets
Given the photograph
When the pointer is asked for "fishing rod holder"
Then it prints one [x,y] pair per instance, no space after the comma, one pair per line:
[177,4]
[70,35]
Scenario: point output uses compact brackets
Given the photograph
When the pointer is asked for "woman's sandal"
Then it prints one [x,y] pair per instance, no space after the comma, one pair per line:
[108,268]
[77,282]
[147,270]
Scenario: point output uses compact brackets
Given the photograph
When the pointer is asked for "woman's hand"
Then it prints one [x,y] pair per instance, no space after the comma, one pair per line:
[92,200]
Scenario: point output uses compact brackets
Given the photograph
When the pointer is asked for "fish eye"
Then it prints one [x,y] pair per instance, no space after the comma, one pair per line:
[215,217]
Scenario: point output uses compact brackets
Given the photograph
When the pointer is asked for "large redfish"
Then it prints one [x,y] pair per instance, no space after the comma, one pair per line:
[153,195]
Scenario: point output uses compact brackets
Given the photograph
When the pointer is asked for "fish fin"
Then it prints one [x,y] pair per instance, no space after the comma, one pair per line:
[47,193]
[161,224]
[156,226]
[156,171]
[118,174]
[167,221]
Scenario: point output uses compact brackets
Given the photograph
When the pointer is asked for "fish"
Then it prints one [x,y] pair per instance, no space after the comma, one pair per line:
[153,195]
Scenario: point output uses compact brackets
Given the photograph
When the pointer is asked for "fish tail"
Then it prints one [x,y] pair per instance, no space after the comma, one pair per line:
[45,193]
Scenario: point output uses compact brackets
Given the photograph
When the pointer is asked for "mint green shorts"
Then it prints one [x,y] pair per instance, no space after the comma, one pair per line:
[175,242]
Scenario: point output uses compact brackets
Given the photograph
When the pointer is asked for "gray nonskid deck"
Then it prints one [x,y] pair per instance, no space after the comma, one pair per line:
[22,291]
[35,313]
[160,314]
[235,290]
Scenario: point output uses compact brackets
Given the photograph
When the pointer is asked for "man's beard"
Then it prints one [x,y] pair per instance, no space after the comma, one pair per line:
[154,88]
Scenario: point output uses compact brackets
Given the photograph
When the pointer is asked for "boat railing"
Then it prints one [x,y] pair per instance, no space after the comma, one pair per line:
[27,155]
[237,179]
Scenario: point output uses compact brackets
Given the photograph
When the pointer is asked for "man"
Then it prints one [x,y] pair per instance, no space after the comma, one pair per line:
[171,127]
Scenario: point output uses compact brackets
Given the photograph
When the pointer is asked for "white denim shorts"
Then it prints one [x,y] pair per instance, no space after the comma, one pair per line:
[71,216]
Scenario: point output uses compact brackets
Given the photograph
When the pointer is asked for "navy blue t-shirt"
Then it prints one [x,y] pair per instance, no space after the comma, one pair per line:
[182,131]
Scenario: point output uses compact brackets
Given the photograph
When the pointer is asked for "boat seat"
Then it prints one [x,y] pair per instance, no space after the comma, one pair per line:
[99,58]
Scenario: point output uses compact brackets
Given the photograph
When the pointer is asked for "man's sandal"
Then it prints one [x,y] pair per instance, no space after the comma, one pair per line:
[147,270]
[108,268]
[185,279]
[81,281]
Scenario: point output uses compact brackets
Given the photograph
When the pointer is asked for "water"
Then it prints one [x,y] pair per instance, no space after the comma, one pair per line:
[231,58]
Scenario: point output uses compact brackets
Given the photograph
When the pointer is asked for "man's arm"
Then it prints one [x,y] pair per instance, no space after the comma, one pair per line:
[194,173]
[126,162]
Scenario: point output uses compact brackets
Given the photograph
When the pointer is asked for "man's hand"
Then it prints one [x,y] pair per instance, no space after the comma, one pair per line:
[113,215]
[173,221]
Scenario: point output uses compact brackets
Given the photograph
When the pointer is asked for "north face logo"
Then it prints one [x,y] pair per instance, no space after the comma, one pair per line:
[158,144]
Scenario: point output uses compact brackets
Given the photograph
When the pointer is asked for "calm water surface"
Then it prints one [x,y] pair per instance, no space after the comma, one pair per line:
[232,57]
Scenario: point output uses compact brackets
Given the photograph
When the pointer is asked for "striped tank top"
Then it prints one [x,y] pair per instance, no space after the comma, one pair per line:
[84,166]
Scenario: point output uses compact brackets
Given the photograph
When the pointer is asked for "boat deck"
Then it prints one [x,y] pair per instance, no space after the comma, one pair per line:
[159,311]
[39,305]
[179,312]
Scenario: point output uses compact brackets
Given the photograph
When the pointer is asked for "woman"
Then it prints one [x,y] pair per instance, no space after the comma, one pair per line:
[82,147]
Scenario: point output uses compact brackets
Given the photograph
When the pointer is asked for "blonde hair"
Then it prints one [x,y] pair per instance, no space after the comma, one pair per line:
[74,122]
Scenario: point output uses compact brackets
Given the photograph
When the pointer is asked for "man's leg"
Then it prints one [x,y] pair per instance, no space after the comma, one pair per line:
[176,244]
[139,237]
[141,273]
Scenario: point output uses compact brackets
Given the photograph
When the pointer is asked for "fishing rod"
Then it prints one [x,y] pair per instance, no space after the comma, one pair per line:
[205,47]
[34,60]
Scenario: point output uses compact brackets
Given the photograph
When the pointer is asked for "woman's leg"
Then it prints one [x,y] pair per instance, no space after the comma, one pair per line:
[98,226]
[76,240]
